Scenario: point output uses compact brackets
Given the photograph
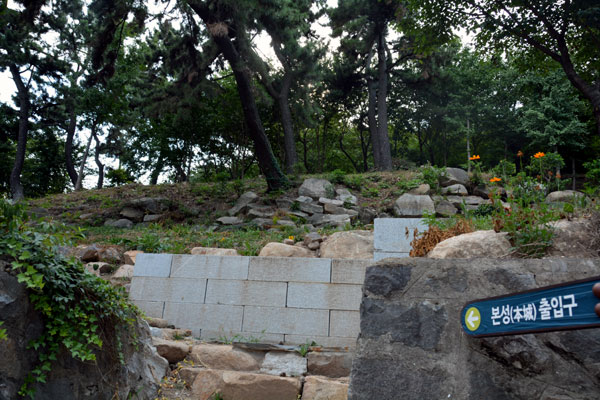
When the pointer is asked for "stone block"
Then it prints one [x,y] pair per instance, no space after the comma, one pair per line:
[319,388]
[218,356]
[242,337]
[344,323]
[290,269]
[179,290]
[152,309]
[380,255]
[325,341]
[236,385]
[324,296]
[216,267]
[157,265]
[330,364]
[283,364]
[286,320]
[252,293]
[395,234]
[213,317]
[349,271]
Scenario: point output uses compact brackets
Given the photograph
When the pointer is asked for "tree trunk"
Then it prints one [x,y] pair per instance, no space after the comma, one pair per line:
[99,164]
[69,144]
[291,157]
[79,183]
[385,155]
[16,188]
[372,112]
[468,147]
[262,148]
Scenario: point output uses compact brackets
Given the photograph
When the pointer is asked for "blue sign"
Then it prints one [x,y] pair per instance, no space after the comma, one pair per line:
[565,306]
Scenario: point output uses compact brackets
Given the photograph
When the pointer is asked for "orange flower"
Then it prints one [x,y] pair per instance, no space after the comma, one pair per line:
[291,237]
[519,153]
[558,176]
[539,154]
[495,179]
[475,157]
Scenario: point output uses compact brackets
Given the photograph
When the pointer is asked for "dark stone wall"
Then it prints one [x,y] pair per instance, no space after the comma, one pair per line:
[69,378]
[411,344]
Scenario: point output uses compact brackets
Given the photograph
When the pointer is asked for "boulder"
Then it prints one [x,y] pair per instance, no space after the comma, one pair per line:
[236,385]
[211,251]
[333,202]
[151,205]
[315,188]
[411,340]
[333,209]
[366,215]
[282,363]
[289,241]
[454,176]
[226,357]
[129,256]
[574,238]
[157,322]
[456,189]
[171,350]
[411,205]
[563,196]
[87,253]
[274,249]
[103,379]
[320,388]
[230,220]
[133,214]
[304,199]
[339,220]
[421,190]
[97,268]
[125,271]
[350,244]
[266,212]
[332,365]
[263,223]
[445,209]
[311,208]
[476,244]
[120,223]
[242,202]
[110,255]
[153,218]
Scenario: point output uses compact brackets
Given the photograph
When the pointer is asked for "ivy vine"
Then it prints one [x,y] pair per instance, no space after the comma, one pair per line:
[81,313]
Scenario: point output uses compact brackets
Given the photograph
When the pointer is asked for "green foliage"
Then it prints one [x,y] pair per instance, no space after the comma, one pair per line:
[504,169]
[405,186]
[355,181]
[337,176]
[592,175]
[431,175]
[118,177]
[304,348]
[217,396]
[3,335]
[370,192]
[81,313]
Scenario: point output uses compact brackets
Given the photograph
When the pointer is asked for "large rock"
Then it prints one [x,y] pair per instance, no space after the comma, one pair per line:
[412,205]
[125,271]
[133,214]
[411,341]
[454,176]
[422,189]
[275,249]
[151,205]
[171,350]
[339,220]
[211,251]
[230,221]
[242,203]
[445,208]
[332,365]
[87,253]
[234,385]
[110,255]
[226,357]
[319,388]
[456,189]
[120,223]
[574,238]
[473,245]
[105,379]
[350,244]
[283,364]
[563,196]
[316,188]
[129,256]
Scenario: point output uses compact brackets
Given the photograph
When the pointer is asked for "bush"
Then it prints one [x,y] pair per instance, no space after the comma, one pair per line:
[504,169]
[80,312]
[118,177]
[432,175]
[592,175]
[337,176]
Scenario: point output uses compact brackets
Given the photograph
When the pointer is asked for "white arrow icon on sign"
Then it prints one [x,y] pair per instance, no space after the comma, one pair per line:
[471,319]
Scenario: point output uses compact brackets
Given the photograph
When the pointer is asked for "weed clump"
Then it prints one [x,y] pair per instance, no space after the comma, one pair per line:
[423,244]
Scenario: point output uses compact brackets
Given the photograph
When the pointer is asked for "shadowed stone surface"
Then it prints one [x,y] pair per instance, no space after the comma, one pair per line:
[411,341]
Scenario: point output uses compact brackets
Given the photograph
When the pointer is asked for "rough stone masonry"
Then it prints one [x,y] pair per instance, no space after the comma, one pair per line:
[411,344]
